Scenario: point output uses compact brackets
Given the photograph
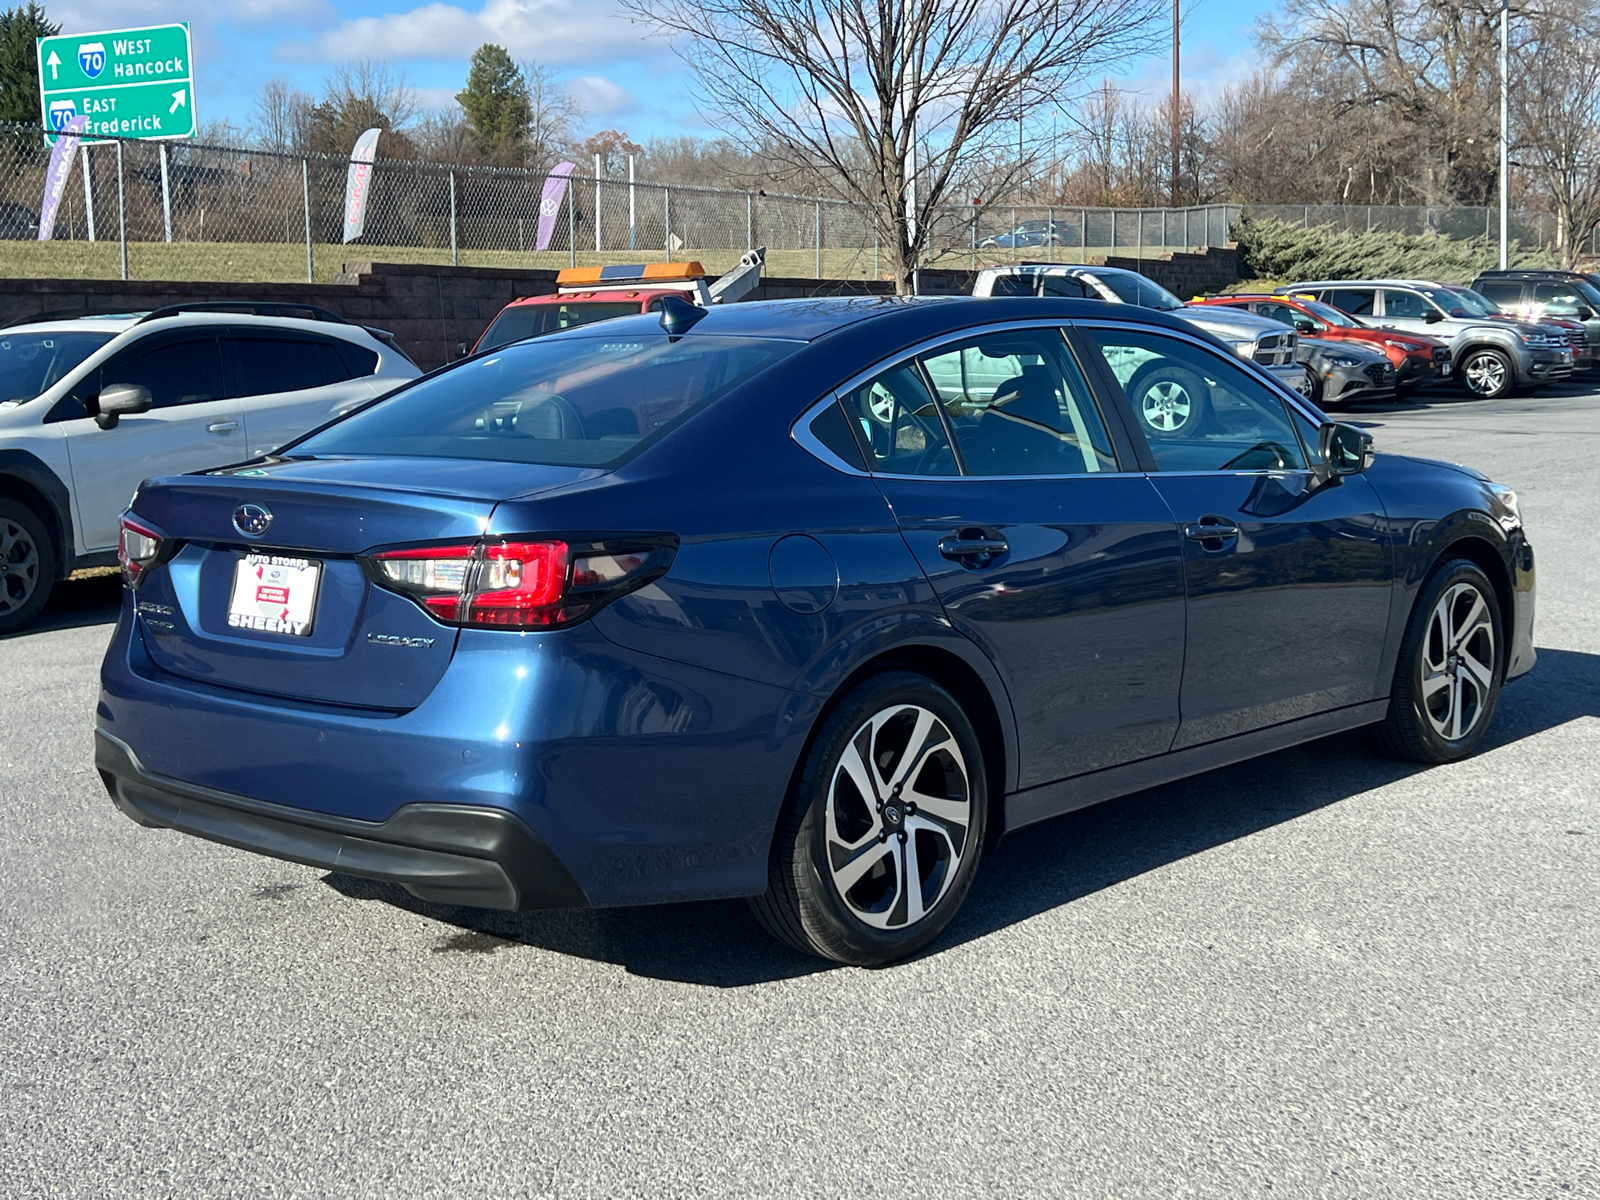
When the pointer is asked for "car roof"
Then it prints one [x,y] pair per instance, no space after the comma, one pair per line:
[597,295]
[807,319]
[1531,273]
[1414,283]
[122,322]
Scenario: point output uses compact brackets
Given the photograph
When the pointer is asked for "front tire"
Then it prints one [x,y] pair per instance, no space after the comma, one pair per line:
[27,565]
[1452,662]
[1487,374]
[880,840]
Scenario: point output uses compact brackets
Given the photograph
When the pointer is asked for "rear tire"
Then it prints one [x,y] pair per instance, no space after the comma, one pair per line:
[1452,662]
[880,839]
[27,565]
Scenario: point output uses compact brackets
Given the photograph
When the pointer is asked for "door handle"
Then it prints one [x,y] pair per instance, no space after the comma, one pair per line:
[1211,529]
[979,546]
[222,426]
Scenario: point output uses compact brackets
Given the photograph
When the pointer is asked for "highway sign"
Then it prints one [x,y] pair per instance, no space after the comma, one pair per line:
[135,83]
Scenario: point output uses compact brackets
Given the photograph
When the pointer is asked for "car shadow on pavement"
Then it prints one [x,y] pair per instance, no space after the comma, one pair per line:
[75,603]
[719,944]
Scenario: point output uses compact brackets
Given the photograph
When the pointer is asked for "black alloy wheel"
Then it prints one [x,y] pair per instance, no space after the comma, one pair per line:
[880,840]
[1452,663]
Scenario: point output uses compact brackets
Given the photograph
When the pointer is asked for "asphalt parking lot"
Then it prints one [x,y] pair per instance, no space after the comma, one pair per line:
[1318,974]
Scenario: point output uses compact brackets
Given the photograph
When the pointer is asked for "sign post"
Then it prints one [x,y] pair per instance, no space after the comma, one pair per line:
[128,83]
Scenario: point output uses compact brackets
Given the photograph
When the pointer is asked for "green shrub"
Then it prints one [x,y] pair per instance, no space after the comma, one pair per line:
[1277,250]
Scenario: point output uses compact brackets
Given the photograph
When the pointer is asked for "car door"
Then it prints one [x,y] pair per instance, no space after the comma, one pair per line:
[290,382]
[1062,563]
[1288,577]
[191,426]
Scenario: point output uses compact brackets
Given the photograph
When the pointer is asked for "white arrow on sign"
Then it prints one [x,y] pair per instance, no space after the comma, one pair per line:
[179,99]
[53,63]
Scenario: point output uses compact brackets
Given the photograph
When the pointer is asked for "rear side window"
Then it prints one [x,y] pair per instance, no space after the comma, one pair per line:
[587,401]
[902,424]
[1502,292]
[1357,302]
[265,366]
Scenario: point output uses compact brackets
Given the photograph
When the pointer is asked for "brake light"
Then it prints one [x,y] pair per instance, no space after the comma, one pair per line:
[138,549]
[521,584]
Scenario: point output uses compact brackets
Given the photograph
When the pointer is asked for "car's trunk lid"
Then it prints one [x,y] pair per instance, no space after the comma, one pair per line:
[236,611]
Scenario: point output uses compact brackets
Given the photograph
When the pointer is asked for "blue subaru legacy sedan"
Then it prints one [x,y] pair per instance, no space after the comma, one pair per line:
[804,601]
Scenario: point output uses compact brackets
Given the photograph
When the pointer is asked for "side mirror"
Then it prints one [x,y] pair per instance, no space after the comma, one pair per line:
[1432,317]
[1305,326]
[463,349]
[121,399]
[1346,449]
[1584,313]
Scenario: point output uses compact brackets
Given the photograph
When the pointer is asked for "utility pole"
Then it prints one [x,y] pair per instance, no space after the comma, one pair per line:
[1176,141]
[1505,130]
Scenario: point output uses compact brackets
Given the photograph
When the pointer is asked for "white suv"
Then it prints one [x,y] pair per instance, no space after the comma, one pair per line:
[91,407]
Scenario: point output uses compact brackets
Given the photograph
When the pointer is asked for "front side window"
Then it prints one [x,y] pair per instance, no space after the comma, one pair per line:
[1018,406]
[1282,312]
[1405,305]
[32,363]
[1197,410]
[901,424]
[585,400]
[187,372]
[1558,297]
[536,320]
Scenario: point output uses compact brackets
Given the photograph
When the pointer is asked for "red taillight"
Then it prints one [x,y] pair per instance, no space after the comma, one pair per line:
[520,584]
[138,548]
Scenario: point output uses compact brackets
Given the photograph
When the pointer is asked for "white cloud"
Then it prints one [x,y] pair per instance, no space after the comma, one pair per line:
[85,16]
[552,31]
[1205,69]
[599,97]
[434,98]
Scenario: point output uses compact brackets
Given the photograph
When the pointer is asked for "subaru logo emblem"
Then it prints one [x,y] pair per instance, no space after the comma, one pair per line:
[252,520]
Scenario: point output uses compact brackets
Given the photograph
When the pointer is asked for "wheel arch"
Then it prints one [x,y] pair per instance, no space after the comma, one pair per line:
[1487,557]
[31,483]
[990,716]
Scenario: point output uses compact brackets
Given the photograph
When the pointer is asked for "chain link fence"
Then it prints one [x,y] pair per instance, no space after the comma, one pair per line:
[179,210]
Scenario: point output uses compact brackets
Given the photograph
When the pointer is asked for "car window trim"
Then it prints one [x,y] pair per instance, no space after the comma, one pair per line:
[1125,413]
[800,430]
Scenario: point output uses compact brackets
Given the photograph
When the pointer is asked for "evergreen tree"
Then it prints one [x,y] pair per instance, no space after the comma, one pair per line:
[496,103]
[19,62]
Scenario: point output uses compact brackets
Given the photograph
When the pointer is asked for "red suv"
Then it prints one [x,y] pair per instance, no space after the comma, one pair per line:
[1417,360]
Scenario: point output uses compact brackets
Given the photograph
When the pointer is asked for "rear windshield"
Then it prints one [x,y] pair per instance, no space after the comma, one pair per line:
[1136,289]
[30,363]
[585,401]
[536,320]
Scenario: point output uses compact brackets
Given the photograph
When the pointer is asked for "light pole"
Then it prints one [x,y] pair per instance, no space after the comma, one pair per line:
[1175,137]
[1505,153]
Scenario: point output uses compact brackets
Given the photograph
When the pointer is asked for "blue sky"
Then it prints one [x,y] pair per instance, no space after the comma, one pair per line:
[621,78]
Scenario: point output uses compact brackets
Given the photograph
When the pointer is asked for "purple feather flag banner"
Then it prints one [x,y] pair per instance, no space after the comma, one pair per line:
[55,176]
[555,190]
[358,184]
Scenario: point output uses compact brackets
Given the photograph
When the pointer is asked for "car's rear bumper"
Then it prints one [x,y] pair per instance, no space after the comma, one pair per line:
[449,853]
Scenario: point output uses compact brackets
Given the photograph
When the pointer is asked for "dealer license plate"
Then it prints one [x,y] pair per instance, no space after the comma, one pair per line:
[274,594]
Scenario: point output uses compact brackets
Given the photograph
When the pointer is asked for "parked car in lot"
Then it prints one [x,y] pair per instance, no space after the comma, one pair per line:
[1536,295]
[805,601]
[584,295]
[1168,399]
[1032,233]
[1416,359]
[90,406]
[1346,372]
[1491,353]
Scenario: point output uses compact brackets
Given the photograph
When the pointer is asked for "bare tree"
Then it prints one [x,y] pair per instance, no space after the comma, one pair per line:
[552,113]
[281,115]
[878,95]
[1557,119]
